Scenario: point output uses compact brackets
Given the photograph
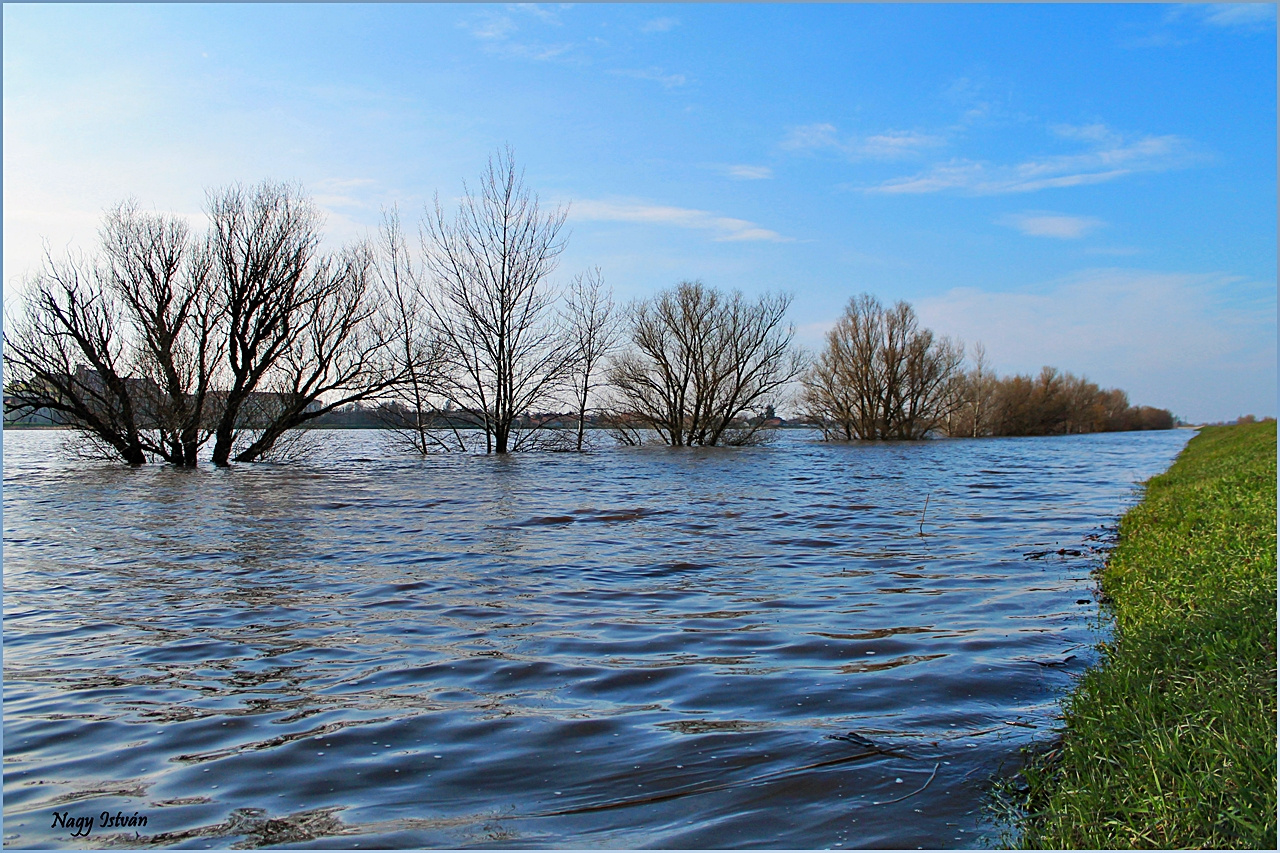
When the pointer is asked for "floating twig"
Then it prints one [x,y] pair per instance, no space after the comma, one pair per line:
[913,793]
[959,735]
[922,512]
[858,740]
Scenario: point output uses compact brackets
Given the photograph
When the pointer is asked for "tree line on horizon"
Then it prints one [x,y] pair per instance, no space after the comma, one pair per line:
[883,377]
[169,342]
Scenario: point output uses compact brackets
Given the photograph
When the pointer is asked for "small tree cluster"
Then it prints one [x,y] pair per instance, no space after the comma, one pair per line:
[169,339]
[1051,403]
[484,337]
[882,376]
[700,362]
[503,353]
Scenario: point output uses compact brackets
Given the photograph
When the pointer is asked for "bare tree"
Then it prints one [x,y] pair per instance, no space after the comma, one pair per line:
[121,349]
[1084,407]
[302,330]
[592,323]
[979,393]
[881,376]
[264,244]
[409,413]
[1115,405]
[971,409]
[700,361]
[921,370]
[69,320]
[167,340]
[503,352]
[161,277]
[339,354]
[1056,403]
[842,389]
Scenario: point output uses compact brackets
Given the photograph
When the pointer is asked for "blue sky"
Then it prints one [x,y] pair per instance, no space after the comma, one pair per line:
[1087,186]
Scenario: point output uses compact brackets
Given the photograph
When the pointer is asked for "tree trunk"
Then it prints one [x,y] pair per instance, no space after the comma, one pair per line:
[222,444]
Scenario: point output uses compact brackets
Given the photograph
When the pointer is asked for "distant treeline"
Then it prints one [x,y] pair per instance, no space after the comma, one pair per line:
[1052,403]
[882,376]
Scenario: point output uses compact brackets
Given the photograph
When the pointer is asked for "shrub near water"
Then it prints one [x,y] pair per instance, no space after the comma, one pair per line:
[1171,741]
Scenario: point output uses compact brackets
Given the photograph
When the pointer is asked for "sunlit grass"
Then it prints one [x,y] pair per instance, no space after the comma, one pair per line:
[1171,741]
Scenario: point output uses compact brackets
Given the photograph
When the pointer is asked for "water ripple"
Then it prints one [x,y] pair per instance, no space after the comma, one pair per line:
[631,648]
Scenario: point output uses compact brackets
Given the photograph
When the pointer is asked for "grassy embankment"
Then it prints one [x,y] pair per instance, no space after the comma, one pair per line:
[1171,741]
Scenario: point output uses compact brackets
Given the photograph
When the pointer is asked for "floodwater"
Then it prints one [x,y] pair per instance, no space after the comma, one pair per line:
[636,647]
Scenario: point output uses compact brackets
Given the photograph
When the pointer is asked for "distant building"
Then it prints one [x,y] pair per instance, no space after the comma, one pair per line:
[147,399]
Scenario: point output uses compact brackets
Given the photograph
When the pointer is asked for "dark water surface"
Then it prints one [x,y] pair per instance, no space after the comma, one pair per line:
[629,648]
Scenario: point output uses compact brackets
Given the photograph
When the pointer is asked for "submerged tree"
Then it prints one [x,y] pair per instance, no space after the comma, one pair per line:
[972,411]
[701,361]
[1056,403]
[409,411]
[592,325]
[167,340]
[503,353]
[881,376]
[69,320]
[160,274]
[303,335]
[122,348]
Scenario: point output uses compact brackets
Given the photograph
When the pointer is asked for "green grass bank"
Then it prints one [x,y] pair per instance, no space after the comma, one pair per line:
[1170,742]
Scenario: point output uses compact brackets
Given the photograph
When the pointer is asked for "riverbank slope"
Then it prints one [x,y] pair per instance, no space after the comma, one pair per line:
[1171,741]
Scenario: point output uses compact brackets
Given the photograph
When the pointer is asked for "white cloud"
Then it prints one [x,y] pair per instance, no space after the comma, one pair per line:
[1115,251]
[657,75]
[749,173]
[489,25]
[1182,24]
[945,176]
[811,136]
[889,145]
[659,25]
[1044,224]
[534,51]
[724,228]
[1097,132]
[540,11]
[1188,342]
[896,143]
[973,99]
[1111,157]
[1250,15]
[494,30]
[1158,39]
